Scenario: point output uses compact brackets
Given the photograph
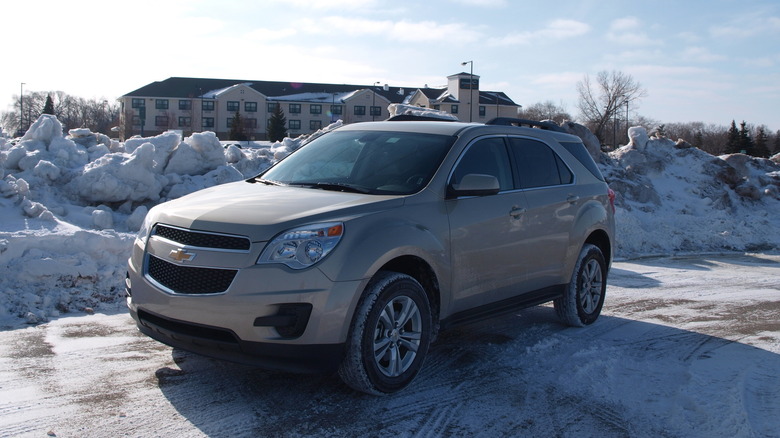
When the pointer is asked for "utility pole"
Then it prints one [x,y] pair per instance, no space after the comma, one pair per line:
[21,108]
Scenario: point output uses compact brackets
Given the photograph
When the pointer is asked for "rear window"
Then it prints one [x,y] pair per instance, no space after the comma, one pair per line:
[583,156]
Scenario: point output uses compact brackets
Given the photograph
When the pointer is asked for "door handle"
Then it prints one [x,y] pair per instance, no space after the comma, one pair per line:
[516,212]
[572,199]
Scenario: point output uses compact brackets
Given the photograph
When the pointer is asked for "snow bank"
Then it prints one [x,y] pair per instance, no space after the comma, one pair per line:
[674,198]
[70,205]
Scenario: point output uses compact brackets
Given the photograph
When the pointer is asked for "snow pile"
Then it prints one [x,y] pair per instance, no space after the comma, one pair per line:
[674,198]
[70,205]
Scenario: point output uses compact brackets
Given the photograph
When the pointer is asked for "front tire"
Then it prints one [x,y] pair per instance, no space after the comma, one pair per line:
[583,299]
[389,336]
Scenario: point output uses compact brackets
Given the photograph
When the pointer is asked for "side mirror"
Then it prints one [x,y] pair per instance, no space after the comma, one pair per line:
[474,184]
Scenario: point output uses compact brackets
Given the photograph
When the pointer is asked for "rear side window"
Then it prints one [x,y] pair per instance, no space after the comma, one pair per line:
[538,165]
[583,156]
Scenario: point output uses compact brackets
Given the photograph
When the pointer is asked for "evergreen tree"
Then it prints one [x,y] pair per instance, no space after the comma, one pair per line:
[48,108]
[745,142]
[277,125]
[761,148]
[732,142]
[237,128]
[698,139]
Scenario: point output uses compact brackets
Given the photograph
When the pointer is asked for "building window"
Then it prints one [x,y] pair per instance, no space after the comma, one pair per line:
[376,110]
[437,107]
[482,111]
[336,110]
[161,121]
[161,104]
[229,122]
[208,122]
[250,107]
[208,105]
[271,106]
[315,109]
[454,109]
[250,123]
[315,124]
[295,124]
[185,122]
[138,103]
[295,108]
[233,105]
[185,105]
[136,121]
[360,110]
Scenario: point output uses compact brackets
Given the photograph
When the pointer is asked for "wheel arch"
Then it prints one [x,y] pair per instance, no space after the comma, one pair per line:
[423,272]
[601,239]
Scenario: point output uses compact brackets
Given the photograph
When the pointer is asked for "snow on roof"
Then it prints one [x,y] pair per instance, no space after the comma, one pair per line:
[315,97]
[213,94]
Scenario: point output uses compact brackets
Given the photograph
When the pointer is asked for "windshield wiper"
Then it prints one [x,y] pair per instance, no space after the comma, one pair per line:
[339,187]
[266,181]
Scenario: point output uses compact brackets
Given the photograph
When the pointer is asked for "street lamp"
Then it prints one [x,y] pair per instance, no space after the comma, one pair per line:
[471,89]
[626,101]
[373,103]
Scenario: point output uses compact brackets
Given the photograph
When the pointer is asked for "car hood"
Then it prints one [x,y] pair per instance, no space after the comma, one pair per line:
[261,211]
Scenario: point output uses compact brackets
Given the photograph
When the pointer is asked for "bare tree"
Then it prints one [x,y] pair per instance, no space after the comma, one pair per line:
[602,103]
[99,115]
[546,111]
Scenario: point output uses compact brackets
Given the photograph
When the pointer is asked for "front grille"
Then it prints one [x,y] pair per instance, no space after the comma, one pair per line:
[202,239]
[189,279]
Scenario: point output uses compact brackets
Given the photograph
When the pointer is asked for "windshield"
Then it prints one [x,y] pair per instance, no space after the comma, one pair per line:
[374,162]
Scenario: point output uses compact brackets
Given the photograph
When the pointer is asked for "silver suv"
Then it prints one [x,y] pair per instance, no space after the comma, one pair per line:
[354,251]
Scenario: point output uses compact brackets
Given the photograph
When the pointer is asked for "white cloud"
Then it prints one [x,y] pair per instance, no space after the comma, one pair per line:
[330,4]
[270,34]
[747,26]
[628,31]
[555,30]
[700,54]
[485,3]
[625,24]
[411,31]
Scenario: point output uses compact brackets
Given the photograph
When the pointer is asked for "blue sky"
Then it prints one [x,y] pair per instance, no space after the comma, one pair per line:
[710,61]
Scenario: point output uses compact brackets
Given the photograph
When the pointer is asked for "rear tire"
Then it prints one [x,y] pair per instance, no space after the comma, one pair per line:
[389,336]
[583,299]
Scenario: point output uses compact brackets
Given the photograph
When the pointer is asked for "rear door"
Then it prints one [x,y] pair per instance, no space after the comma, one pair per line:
[552,205]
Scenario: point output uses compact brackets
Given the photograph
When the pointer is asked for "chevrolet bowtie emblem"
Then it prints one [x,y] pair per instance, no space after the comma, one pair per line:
[181,255]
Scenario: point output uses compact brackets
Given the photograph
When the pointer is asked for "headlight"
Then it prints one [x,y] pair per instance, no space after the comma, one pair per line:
[304,246]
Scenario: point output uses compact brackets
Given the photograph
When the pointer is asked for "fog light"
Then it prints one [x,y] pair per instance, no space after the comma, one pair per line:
[290,320]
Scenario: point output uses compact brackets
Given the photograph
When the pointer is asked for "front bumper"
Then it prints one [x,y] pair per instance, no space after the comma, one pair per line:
[223,344]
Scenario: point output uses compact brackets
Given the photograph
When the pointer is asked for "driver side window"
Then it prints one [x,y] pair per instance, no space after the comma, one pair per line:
[486,157]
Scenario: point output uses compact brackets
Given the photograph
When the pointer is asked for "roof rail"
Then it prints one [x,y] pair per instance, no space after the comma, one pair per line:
[520,122]
[418,118]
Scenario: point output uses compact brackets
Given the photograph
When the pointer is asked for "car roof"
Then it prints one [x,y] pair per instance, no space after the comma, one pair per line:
[455,129]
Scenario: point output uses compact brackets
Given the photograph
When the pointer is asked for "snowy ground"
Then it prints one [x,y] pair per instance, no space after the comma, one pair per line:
[686,347]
